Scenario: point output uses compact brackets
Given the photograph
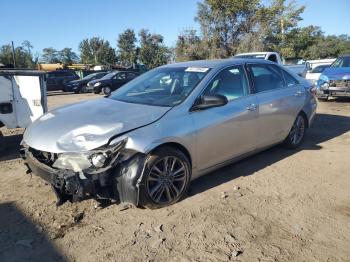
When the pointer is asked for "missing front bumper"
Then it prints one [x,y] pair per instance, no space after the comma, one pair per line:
[120,183]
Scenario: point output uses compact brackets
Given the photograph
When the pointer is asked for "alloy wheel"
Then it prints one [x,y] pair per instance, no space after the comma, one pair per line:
[298,130]
[167,180]
[107,90]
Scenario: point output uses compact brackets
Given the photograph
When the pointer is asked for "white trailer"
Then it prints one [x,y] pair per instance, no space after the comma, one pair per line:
[22,97]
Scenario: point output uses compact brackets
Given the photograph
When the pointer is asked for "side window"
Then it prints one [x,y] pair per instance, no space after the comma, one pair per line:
[131,75]
[120,76]
[289,80]
[273,58]
[266,77]
[230,82]
[58,74]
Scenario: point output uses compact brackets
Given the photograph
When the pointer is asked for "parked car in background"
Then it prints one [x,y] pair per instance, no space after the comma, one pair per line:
[335,80]
[314,63]
[315,73]
[56,80]
[298,67]
[110,82]
[270,56]
[145,142]
[22,97]
[79,86]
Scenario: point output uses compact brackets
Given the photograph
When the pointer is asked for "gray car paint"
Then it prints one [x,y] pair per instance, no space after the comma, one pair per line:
[211,137]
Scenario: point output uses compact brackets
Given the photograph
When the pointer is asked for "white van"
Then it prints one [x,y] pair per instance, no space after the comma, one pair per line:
[22,97]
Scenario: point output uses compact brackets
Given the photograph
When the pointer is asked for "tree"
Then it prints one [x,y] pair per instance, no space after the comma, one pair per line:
[28,46]
[96,51]
[127,47]
[50,55]
[67,56]
[152,52]
[24,58]
[224,22]
[329,46]
[189,46]
[278,23]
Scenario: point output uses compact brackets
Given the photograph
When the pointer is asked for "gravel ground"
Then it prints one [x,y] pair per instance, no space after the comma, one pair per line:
[279,205]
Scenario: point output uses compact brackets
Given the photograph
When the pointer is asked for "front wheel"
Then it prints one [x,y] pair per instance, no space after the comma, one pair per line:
[106,90]
[324,99]
[297,133]
[166,178]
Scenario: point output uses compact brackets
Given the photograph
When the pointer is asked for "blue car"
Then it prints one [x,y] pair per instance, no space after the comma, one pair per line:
[335,80]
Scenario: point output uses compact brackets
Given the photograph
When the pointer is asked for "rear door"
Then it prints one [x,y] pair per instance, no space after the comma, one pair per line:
[51,81]
[119,80]
[280,98]
[30,98]
[131,76]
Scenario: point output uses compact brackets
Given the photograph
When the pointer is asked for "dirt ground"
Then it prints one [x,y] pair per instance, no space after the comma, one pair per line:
[279,205]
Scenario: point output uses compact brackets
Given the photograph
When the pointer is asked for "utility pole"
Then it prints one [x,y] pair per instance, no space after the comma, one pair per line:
[13,55]
[282,29]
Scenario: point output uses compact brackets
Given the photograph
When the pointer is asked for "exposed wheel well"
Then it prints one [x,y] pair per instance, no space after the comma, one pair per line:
[305,117]
[177,146]
[1,124]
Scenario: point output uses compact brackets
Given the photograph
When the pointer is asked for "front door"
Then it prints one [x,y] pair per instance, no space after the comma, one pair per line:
[228,131]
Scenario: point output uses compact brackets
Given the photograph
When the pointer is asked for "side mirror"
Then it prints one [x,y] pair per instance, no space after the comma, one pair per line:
[209,101]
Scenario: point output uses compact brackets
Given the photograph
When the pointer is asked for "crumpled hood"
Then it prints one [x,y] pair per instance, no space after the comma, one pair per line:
[88,125]
[337,73]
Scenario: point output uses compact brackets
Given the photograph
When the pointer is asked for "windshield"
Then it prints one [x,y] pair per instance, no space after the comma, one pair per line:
[342,62]
[252,56]
[109,75]
[161,87]
[88,77]
[319,69]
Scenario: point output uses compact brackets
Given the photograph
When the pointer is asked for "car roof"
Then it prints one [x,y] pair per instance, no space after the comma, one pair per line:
[347,55]
[218,63]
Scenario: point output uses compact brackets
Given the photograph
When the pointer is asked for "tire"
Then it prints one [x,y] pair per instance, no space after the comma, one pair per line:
[297,132]
[107,90]
[165,185]
[324,99]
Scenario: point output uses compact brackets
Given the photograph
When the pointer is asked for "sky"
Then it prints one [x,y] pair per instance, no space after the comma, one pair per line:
[64,23]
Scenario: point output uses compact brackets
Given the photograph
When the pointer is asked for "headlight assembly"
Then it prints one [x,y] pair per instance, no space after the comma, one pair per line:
[97,84]
[98,158]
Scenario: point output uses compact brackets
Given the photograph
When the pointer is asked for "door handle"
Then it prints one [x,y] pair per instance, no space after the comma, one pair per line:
[298,94]
[251,107]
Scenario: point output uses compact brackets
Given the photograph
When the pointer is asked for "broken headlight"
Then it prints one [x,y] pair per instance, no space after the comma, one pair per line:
[98,158]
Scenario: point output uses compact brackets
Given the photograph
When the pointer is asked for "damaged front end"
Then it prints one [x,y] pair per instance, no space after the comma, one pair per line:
[110,172]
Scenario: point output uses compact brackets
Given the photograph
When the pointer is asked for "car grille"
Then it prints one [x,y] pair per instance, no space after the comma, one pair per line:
[339,83]
[44,157]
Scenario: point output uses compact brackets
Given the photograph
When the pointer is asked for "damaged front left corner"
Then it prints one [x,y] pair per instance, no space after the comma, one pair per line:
[108,173]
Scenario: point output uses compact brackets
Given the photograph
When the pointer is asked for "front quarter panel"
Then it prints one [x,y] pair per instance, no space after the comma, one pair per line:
[175,127]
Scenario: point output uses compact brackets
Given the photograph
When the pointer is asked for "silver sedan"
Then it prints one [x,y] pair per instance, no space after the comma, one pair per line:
[145,142]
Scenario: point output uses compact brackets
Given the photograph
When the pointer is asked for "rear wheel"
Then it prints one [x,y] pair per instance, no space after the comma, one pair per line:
[297,133]
[166,178]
